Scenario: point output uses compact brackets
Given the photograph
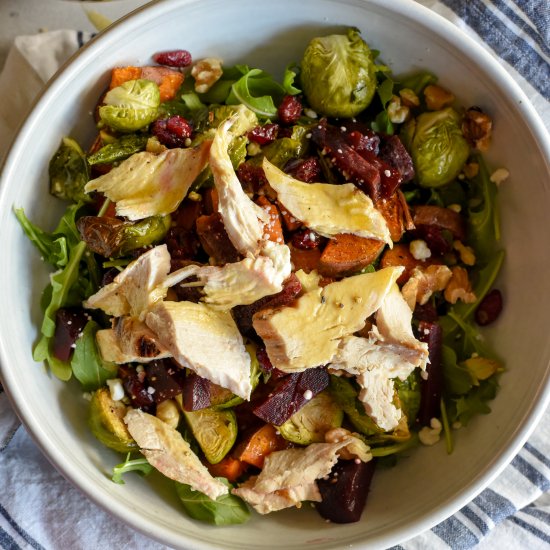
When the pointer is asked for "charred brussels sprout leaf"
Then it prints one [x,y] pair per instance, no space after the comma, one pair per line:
[106,421]
[313,420]
[338,74]
[111,237]
[131,106]
[437,147]
[225,510]
[119,150]
[68,172]
[215,431]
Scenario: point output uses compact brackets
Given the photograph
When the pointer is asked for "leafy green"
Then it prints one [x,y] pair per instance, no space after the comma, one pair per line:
[139,465]
[120,149]
[417,82]
[291,72]
[408,392]
[382,122]
[474,402]
[68,172]
[87,364]
[457,377]
[226,510]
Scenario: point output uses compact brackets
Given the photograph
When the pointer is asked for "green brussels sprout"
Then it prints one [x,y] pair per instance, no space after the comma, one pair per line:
[284,149]
[106,422]
[131,106]
[338,74]
[313,420]
[68,172]
[119,149]
[215,431]
[112,238]
[437,146]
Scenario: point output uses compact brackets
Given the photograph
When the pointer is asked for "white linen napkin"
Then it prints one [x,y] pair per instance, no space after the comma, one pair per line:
[39,509]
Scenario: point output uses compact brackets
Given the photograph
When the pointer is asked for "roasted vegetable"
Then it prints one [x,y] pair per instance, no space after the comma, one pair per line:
[338,74]
[119,149]
[68,172]
[112,237]
[437,146]
[131,106]
[107,424]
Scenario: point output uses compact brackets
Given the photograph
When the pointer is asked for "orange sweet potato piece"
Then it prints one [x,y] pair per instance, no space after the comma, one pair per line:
[259,444]
[401,255]
[230,468]
[273,229]
[346,254]
[168,80]
[291,223]
[211,200]
[308,260]
[392,211]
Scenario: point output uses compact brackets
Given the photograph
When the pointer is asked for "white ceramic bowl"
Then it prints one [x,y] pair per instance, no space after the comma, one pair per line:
[423,489]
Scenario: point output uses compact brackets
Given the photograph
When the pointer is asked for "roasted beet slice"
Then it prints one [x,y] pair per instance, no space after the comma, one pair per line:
[267,367]
[69,323]
[291,394]
[393,152]
[345,491]
[135,384]
[165,379]
[214,239]
[196,393]
[308,169]
[443,218]
[435,238]
[431,389]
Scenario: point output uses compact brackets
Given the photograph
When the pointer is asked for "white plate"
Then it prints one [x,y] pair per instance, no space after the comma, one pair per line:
[423,489]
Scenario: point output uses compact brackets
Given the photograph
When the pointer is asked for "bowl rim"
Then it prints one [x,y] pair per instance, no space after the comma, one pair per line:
[445,30]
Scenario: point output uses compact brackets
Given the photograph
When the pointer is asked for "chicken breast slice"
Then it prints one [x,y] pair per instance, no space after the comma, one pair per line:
[167,451]
[289,476]
[204,340]
[308,333]
[148,184]
[328,209]
[243,219]
[136,288]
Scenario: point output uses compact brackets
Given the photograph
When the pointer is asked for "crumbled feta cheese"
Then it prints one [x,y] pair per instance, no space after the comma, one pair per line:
[419,249]
[308,394]
[310,113]
[116,388]
[499,176]
[430,435]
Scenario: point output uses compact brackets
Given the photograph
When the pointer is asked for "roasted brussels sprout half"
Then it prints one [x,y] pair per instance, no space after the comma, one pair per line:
[338,74]
[131,106]
[437,146]
[112,238]
[68,172]
[313,420]
[106,421]
[215,431]
[119,149]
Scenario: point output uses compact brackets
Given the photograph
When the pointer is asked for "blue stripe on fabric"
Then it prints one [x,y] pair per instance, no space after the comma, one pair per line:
[475,519]
[537,454]
[504,42]
[533,530]
[7,542]
[537,513]
[531,473]
[455,533]
[525,27]
[19,530]
[494,505]
[539,15]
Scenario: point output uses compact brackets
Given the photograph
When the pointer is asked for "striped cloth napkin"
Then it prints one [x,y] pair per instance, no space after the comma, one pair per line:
[39,509]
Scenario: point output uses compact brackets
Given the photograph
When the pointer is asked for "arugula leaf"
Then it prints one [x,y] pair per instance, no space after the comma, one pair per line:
[139,465]
[417,82]
[382,122]
[88,366]
[475,402]
[291,72]
[226,510]
[458,380]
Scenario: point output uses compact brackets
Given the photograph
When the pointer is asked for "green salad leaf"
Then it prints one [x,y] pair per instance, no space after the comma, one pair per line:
[139,465]
[226,510]
[68,172]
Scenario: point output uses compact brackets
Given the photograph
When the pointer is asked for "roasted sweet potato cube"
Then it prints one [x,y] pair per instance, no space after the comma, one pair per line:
[273,229]
[259,444]
[308,260]
[168,80]
[392,211]
[346,254]
[290,222]
[400,255]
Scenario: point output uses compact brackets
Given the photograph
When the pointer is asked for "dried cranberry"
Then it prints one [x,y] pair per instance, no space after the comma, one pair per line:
[173,58]
[306,239]
[264,134]
[290,109]
[252,177]
[307,170]
[172,131]
[489,309]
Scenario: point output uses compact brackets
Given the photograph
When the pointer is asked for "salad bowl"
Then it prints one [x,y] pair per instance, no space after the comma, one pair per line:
[429,484]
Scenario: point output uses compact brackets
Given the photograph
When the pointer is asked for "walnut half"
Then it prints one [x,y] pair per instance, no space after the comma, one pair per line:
[477,128]
[459,287]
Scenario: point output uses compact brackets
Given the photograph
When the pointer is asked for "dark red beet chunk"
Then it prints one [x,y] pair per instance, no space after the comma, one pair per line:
[345,491]
[183,244]
[426,312]
[162,376]
[434,238]
[489,309]
[69,323]
[290,395]
[215,240]
[173,58]
[264,134]
[267,367]
[306,239]
[135,385]
[252,177]
[393,152]
[432,388]
[196,393]
[308,169]
[290,109]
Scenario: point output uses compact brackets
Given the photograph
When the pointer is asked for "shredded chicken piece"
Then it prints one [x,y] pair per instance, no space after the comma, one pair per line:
[459,287]
[424,282]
